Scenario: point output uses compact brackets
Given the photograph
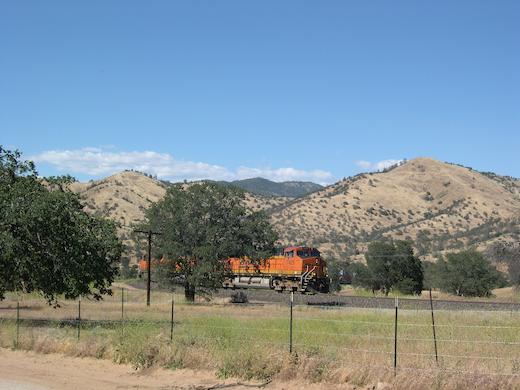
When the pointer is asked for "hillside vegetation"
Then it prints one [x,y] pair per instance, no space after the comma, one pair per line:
[264,187]
[440,206]
[125,196]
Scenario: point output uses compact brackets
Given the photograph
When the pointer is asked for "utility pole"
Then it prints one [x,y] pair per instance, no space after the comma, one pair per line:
[150,233]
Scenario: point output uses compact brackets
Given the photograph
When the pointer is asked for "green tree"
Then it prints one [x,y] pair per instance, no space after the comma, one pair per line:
[409,269]
[202,224]
[468,273]
[48,243]
[394,265]
[508,253]
[362,276]
[336,270]
[128,271]
[431,277]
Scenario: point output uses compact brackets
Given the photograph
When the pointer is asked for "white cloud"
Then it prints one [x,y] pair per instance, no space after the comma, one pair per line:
[100,162]
[285,174]
[377,166]
[364,164]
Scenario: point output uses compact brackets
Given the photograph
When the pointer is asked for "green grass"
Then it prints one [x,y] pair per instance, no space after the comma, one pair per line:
[252,341]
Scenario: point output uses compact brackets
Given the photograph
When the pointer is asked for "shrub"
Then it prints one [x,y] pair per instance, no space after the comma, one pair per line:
[394,265]
[239,297]
[467,273]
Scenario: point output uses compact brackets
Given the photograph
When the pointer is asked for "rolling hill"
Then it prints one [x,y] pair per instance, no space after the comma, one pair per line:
[125,196]
[439,206]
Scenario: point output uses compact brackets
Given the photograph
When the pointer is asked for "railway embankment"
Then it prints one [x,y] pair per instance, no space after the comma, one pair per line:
[331,300]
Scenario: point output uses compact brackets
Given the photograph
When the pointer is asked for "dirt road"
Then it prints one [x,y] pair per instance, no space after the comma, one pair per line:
[21,370]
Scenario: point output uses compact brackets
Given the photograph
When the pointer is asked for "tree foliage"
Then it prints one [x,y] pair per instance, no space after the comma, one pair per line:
[48,244]
[390,265]
[508,253]
[431,277]
[467,273]
[336,270]
[202,224]
[361,276]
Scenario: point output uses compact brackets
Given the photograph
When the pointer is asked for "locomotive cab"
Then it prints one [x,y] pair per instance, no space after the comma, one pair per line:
[313,268]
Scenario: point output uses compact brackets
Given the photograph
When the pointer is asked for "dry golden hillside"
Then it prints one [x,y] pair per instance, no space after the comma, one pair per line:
[125,196]
[439,206]
[265,203]
[122,197]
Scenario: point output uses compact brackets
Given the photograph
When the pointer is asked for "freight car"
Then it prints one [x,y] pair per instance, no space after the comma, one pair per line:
[298,268]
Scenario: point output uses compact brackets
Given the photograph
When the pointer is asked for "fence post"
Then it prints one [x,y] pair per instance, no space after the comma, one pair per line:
[291,322]
[395,335]
[122,303]
[171,322]
[433,327]
[79,317]
[17,323]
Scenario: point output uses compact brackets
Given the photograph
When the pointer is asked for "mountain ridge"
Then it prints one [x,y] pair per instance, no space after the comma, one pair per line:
[439,206]
[266,187]
[423,200]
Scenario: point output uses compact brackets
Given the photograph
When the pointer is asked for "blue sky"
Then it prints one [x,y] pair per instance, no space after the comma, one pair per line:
[305,90]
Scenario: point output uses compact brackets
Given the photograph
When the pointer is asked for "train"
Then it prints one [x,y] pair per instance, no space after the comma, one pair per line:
[297,268]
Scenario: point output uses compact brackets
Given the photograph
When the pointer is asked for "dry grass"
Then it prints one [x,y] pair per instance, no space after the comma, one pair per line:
[502,295]
[251,341]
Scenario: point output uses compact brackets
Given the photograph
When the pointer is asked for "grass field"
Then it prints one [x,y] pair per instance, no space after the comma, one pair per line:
[252,341]
[503,295]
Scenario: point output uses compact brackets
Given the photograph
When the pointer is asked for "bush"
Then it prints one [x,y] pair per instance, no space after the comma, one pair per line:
[467,273]
[338,273]
[507,253]
[394,265]
[361,276]
[239,297]
[128,271]
[430,275]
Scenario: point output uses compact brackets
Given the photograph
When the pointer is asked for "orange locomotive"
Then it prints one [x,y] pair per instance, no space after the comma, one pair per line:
[299,268]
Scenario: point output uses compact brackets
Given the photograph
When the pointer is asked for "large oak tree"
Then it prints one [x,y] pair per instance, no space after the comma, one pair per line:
[201,224]
[48,244]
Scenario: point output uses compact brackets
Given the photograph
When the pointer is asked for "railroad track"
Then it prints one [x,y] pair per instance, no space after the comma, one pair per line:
[333,300]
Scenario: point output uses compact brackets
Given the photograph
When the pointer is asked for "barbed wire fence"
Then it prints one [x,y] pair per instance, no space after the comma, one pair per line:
[485,342]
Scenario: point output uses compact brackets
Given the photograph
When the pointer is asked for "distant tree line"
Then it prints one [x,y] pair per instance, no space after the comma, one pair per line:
[393,266]
[151,176]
